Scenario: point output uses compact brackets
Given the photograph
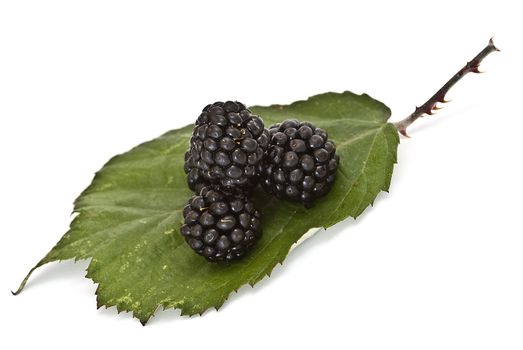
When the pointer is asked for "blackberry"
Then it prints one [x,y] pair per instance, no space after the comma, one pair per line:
[227,145]
[221,225]
[301,162]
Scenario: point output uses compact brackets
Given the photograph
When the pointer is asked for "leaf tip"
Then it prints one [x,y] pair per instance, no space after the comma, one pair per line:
[26,278]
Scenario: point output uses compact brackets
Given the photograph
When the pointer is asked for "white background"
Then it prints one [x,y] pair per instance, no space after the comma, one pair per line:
[437,263]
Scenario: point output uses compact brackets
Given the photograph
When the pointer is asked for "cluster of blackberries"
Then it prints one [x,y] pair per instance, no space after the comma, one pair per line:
[230,152]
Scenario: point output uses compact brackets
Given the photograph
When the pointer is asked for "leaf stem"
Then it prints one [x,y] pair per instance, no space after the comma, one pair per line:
[431,105]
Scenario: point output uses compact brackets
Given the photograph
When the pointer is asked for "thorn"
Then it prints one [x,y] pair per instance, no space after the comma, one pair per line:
[437,108]
[476,70]
[491,43]
[404,133]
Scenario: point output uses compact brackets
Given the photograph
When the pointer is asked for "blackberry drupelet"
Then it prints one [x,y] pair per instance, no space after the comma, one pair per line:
[301,162]
[221,225]
[227,145]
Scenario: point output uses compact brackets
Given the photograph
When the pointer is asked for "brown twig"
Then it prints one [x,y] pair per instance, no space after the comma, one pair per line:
[431,105]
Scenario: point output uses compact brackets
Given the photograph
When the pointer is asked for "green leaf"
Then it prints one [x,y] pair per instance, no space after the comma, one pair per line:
[129,217]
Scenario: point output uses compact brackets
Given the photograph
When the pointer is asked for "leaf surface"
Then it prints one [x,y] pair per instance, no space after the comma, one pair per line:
[129,217]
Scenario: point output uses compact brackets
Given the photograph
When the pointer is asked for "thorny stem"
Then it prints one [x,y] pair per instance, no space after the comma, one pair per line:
[431,105]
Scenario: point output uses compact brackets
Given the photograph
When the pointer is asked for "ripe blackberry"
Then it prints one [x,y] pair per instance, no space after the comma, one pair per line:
[227,145]
[221,225]
[301,162]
